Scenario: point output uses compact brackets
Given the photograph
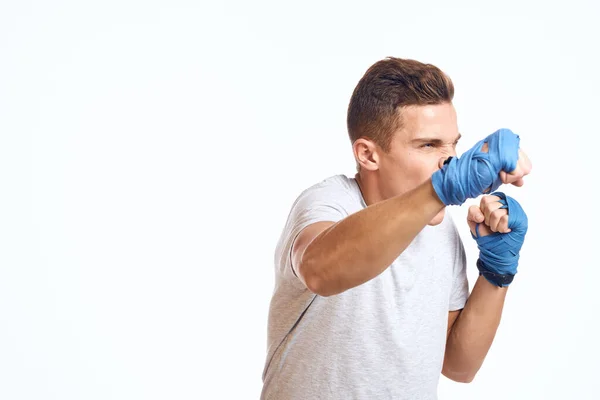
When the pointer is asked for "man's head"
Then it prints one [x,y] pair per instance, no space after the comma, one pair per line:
[402,124]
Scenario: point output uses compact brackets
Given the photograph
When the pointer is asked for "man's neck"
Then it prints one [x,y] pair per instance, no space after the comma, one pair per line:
[369,189]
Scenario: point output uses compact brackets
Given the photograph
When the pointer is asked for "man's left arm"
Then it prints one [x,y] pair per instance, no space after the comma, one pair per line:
[471,331]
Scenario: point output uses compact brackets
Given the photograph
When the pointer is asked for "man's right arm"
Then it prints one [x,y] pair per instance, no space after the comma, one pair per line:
[330,258]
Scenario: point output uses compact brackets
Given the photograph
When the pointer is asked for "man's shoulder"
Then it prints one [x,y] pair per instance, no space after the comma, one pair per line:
[334,184]
[338,180]
[337,191]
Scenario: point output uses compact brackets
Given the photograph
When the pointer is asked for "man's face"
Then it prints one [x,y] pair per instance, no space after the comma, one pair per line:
[429,133]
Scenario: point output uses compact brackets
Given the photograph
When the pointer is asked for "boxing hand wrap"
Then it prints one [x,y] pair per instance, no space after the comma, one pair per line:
[499,252]
[475,171]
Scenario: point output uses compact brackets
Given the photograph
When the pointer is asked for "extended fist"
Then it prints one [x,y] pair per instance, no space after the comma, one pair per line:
[491,162]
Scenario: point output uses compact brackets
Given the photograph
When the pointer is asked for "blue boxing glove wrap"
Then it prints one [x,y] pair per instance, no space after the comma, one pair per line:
[475,171]
[499,252]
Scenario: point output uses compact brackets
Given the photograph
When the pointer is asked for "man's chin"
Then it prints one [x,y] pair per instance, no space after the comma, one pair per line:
[438,218]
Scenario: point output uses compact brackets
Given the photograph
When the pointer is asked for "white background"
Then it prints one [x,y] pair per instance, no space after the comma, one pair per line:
[150,151]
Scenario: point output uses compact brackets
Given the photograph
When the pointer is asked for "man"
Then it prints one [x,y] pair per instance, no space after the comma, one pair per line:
[370,298]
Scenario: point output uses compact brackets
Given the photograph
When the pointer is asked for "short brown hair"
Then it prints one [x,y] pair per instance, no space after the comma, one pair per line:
[387,86]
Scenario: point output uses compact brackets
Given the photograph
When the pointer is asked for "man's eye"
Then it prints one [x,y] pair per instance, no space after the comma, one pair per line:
[428,145]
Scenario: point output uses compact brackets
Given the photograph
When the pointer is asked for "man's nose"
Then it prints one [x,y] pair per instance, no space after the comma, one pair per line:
[447,155]
[443,161]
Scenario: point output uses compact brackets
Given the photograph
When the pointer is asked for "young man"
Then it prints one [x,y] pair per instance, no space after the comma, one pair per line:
[370,298]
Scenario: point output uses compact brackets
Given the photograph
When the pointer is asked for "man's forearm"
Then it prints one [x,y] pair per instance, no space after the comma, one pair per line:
[473,332]
[364,244]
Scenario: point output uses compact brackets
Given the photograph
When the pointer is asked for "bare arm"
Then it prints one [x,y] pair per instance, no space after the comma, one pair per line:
[331,258]
[472,331]
[471,335]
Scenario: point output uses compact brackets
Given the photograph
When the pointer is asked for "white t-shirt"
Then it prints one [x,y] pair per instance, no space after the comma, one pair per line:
[384,339]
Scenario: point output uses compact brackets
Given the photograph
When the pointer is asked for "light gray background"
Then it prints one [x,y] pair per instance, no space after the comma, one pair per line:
[150,151]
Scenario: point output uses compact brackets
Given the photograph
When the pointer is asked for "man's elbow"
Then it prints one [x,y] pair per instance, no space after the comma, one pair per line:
[315,285]
[316,281]
[319,286]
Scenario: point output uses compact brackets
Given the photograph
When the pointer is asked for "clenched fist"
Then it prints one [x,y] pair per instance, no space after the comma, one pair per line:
[499,226]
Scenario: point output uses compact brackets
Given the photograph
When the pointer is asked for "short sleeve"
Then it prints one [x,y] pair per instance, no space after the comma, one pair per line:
[460,284]
[325,201]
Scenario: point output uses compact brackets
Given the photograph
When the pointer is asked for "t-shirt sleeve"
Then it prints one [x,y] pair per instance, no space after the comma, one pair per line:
[460,284]
[316,204]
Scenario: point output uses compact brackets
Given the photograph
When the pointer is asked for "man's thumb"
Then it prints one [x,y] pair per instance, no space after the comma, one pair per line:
[474,217]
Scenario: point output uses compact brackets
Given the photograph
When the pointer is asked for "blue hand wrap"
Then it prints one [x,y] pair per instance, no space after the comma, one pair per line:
[499,252]
[474,172]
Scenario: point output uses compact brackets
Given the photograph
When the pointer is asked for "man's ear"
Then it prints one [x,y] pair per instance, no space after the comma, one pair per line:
[366,153]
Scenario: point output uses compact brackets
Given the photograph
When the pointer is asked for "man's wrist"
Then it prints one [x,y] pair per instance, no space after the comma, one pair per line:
[501,280]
